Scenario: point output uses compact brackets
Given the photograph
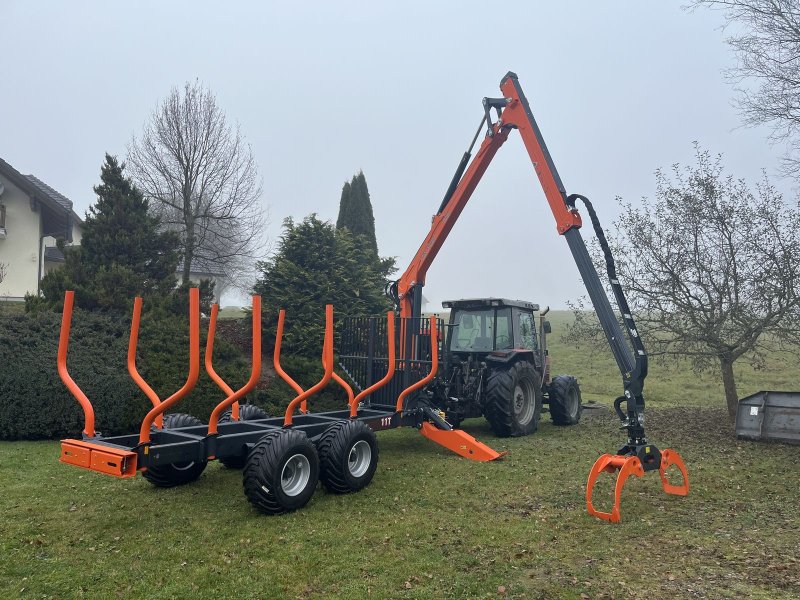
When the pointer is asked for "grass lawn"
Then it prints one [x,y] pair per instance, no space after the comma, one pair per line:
[433,525]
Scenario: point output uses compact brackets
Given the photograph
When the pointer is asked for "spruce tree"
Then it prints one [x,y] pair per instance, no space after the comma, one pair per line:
[122,253]
[316,264]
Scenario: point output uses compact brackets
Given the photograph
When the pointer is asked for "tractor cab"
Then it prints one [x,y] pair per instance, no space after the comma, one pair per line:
[484,325]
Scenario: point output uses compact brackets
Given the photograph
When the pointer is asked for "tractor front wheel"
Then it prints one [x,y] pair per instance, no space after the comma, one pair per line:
[513,400]
[565,400]
[174,474]
[281,472]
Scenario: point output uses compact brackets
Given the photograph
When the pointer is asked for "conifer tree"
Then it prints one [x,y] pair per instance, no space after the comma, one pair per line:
[122,253]
[355,211]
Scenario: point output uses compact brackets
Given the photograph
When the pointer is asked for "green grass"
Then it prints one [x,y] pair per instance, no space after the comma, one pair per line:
[432,525]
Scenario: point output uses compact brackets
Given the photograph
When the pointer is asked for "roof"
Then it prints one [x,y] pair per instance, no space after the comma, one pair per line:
[203,266]
[481,302]
[57,204]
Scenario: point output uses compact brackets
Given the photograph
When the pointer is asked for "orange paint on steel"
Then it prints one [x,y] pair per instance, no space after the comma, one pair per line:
[276,360]
[345,386]
[194,368]
[327,350]
[255,372]
[134,373]
[63,344]
[670,457]
[429,377]
[389,374]
[226,389]
[610,463]
[460,442]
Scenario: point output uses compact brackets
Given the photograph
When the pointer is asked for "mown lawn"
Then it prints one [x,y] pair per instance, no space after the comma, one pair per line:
[433,525]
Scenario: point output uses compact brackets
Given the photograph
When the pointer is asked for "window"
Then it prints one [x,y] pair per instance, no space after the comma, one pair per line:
[474,330]
[527,331]
[2,220]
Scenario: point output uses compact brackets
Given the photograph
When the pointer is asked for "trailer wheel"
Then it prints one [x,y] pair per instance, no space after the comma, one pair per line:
[247,412]
[565,400]
[513,400]
[348,457]
[281,472]
[176,473]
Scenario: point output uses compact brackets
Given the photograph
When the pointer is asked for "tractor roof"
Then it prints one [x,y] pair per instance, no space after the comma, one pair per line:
[488,302]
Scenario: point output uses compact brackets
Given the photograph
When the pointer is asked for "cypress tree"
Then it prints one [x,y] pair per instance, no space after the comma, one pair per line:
[355,211]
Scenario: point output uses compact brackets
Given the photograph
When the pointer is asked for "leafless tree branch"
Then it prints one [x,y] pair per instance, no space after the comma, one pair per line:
[203,182]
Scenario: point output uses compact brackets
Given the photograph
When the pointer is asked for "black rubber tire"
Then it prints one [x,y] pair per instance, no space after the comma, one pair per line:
[348,457]
[247,412]
[565,400]
[175,474]
[502,388]
[264,470]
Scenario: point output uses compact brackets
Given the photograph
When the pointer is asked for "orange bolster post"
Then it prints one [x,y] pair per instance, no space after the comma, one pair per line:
[429,377]
[194,368]
[221,384]
[389,374]
[344,385]
[255,372]
[63,345]
[327,350]
[132,371]
[276,360]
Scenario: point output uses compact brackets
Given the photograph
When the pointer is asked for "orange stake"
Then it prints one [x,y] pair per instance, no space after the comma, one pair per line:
[429,377]
[327,349]
[255,372]
[63,345]
[134,373]
[226,389]
[389,374]
[276,360]
[194,368]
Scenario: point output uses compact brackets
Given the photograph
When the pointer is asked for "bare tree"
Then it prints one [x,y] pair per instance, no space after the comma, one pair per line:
[3,267]
[712,270]
[765,38]
[202,180]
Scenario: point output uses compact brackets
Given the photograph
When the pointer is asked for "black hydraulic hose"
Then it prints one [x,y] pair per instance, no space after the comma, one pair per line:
[640,354]
[462,166]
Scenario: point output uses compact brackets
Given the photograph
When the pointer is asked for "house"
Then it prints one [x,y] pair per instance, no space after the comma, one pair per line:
[33,216]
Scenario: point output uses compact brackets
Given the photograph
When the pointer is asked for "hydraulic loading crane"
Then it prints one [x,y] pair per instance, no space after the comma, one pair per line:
[510,112]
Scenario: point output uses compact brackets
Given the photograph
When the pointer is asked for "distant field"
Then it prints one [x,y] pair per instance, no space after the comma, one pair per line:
[433,525]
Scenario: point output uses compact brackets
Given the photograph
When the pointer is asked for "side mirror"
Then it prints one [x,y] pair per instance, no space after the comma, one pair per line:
[546,327]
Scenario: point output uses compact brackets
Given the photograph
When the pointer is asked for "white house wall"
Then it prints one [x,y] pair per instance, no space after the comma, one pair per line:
[19,250]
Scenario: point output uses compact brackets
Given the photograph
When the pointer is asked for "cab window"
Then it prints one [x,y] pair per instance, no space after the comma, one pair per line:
[527,331]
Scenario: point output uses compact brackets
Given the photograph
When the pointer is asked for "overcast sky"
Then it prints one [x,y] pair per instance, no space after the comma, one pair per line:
[323,89]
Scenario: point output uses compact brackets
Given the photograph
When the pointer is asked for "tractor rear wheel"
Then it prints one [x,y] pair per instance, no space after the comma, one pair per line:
[281,472]
[513,400]
[348,457]
[565,400]
[247,412]
[176,473]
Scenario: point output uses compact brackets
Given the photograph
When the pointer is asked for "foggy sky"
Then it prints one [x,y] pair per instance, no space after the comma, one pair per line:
[323,89]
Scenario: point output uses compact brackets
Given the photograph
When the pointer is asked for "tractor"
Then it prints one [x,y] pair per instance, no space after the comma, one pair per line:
[497,366]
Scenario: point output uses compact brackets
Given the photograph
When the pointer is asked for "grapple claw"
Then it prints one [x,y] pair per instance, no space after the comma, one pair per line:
[631,464]
[668,458]
[610,463]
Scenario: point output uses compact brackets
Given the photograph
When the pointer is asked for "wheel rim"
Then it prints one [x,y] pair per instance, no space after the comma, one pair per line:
[523,402]
[574,404]
[295,475]
[359,458]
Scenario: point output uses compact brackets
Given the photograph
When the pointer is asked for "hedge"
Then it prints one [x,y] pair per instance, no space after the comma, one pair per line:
[34,404]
